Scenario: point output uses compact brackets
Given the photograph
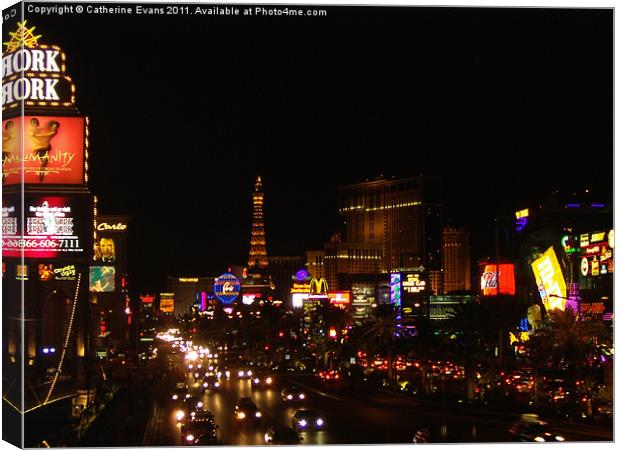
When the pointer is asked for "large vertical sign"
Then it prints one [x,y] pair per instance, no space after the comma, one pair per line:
[110,248]
[395,289]
[550,280]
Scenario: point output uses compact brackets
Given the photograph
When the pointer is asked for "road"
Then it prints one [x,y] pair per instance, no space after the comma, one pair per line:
[352,416]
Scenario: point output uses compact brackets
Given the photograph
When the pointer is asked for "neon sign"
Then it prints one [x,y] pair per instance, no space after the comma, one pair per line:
[301,275]
[300,288]
[227,288]
[111,227]
[34,73]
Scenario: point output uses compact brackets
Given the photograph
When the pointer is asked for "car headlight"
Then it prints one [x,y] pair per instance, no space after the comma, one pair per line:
[319,422]
[175,397]
[256,380]
[269,380]
[539,439]
[187,396]
[189,437]
[180,415]
[289,396]
[258,414]
[199,404]
[302,396]
[302,423]
[216,384]
[249,373]
[205,384]
[241,415]
[241,373]
[560,438]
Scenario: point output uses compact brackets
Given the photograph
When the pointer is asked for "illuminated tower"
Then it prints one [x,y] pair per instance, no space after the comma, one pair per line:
[258,245]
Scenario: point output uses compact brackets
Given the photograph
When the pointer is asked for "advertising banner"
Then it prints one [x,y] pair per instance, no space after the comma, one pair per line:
[550,281]
[54,149]
[55,226]
[492,277]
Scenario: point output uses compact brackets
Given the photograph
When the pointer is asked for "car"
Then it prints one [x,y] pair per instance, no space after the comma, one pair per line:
[247,411]
[244,373]
[292,394]
[179,394]
[262,381]
[529,428]
[307,419]
[210,383]
[329,375]
[189,406]
[201,416]
[199,433]
[282,436]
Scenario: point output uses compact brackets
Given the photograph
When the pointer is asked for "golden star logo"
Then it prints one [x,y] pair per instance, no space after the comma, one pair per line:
[22,37]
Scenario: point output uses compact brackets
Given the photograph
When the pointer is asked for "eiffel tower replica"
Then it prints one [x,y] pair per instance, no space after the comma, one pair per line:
[258,280]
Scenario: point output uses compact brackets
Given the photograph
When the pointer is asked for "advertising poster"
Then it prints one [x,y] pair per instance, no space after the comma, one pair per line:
[101,279]
[53,150]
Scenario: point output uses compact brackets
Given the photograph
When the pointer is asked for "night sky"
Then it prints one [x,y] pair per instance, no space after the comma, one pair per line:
[506,104]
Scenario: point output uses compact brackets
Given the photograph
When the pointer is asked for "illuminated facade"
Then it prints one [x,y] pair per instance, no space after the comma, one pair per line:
[315,263]
[345,258]
[456,260]
[258,244]
[47,217]
[187,291]
[403,216]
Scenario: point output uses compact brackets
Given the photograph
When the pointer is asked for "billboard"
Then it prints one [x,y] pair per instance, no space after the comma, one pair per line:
[55,226]
[491,278]
[166,302]
[596,254]
[101,279]
[53,150]
[413,283]
[340,298]
[550,281]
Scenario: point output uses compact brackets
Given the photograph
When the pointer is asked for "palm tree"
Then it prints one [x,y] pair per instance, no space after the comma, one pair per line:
[381,333]
[468,325]
[568,341]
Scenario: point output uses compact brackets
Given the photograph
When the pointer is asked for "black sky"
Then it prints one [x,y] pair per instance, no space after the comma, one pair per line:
[505,104]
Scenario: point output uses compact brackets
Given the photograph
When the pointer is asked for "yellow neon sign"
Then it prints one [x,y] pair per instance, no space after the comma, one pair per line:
[22,37]
[523,213]
[550,280]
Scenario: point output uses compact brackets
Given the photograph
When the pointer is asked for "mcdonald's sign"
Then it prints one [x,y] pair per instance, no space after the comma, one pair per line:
[318,287]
